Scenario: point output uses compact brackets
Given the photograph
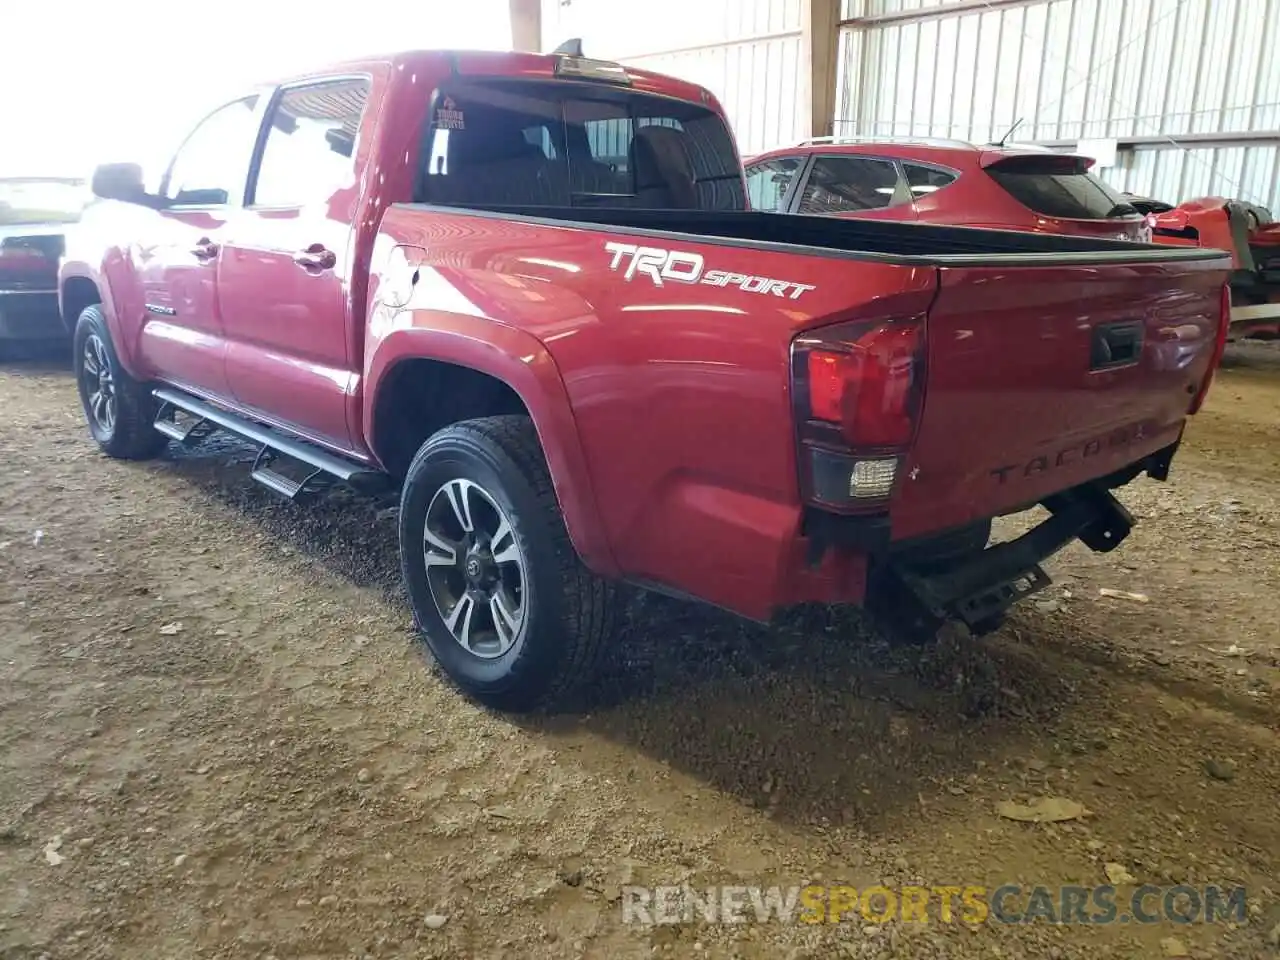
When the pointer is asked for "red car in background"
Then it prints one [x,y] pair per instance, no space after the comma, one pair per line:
[1252,237]
[946,182]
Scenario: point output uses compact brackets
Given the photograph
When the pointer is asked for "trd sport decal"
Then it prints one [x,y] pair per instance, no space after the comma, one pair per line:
[661,266]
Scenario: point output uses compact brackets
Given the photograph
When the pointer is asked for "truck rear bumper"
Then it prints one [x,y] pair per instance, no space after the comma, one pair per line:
[980,589]
[768,556]
[850,561]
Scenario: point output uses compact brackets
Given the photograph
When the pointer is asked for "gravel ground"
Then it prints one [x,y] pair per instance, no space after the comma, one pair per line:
[220,738]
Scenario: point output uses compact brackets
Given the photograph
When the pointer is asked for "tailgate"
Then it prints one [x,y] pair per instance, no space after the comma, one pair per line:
[1043,377]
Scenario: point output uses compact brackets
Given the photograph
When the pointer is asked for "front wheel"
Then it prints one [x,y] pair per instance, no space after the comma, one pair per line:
[120,411]
[498,592]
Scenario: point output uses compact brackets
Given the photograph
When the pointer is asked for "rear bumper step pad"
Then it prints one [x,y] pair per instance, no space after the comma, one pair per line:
[980,590]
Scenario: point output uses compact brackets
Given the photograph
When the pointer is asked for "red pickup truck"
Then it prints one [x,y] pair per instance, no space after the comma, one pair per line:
[527,290]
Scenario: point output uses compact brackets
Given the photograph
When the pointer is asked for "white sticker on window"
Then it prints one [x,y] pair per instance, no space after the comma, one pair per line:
[449,117]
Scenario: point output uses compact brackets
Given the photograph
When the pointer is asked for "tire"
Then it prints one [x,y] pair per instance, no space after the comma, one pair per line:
[128,433]
[488,471]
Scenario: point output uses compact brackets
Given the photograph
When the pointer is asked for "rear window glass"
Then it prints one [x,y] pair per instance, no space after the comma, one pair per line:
[840,184]
[575,144]
[769,182]
[926,180]
[1055,190]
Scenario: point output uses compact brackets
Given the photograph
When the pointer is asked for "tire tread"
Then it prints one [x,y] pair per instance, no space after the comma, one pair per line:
[589,604]
[135,436]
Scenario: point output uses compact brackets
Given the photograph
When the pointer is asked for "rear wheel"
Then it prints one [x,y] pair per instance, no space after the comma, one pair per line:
[120,411]
[498,592]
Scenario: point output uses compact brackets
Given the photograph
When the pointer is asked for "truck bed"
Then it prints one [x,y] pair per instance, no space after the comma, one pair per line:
[910,243]
[1041,363]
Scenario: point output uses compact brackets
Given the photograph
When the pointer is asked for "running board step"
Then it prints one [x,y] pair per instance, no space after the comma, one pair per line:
[189,434]
[286,486]
[272,443]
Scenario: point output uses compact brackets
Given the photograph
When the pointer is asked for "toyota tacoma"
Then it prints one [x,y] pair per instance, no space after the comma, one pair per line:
[527,292]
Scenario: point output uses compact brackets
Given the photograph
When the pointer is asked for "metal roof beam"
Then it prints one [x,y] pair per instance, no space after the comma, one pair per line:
[931,13]
[526,25]
[820,54]
[1239,138]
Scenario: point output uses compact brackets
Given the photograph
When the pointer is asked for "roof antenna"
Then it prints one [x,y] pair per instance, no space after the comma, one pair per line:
[570,48]
[1005,139]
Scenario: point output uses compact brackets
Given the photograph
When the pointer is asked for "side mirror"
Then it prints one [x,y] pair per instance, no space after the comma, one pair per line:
[119,181]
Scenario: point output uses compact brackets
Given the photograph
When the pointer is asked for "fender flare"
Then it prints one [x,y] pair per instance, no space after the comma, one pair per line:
[82,270]
[524,364]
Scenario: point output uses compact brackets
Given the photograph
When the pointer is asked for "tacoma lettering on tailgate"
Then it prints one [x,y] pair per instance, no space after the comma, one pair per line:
[1120,437]
[661,265]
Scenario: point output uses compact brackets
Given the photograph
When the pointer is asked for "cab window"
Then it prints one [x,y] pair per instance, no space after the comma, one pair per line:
[310,147]
[513,143]
[211,165]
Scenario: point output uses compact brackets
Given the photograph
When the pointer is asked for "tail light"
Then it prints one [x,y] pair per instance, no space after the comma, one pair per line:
[1219,346]
[856,390]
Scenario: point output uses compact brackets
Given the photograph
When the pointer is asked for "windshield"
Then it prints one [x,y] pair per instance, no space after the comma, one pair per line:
[41,201]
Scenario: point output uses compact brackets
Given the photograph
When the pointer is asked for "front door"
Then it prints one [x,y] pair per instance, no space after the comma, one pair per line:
[285,273]
[182,340]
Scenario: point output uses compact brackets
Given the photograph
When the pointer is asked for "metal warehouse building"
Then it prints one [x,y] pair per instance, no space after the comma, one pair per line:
[1185,92]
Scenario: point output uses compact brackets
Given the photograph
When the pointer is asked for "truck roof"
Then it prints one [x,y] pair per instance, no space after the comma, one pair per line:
[531,66]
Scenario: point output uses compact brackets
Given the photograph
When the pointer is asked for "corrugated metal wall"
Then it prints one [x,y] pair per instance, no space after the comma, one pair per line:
[1072,69]
[746,51]
[1069,69]
[1249,173]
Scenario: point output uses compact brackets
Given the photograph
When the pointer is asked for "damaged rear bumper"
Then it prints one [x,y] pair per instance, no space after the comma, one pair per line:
[913,600]
[981,589]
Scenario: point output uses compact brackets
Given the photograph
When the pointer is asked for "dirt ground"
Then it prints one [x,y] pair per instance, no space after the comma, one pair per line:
[219,738]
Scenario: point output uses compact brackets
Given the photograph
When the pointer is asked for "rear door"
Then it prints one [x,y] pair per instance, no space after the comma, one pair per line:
[286,263]
[1042,377]
[865,187]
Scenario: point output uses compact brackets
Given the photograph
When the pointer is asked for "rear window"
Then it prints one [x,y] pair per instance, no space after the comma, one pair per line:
[769,183]
[1056,188]
[576,144]
[841,184]
[926,180]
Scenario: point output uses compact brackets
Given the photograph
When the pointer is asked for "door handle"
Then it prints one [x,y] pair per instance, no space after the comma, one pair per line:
[1116,345]
[205,249]
[315,258]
